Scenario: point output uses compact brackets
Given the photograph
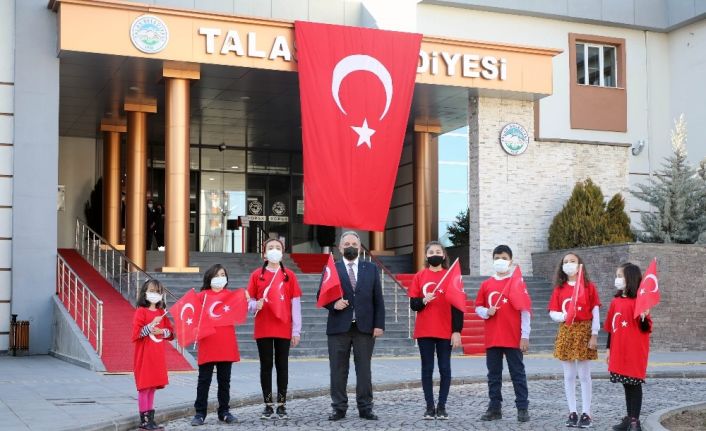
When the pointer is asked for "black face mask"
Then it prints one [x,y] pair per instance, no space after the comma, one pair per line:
[350,253]
[435,260]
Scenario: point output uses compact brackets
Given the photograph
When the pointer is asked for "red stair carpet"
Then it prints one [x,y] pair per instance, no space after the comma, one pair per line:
[310,263]
[117,320]
[473,333]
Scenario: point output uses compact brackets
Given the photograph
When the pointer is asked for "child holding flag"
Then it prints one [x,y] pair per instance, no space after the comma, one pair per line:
[574,304]
[149,330]
[219,349]
[507,330]
[275,298]
[437,327]
[629,340]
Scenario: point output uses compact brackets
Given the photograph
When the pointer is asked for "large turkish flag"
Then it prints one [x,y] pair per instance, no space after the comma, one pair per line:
[356,88]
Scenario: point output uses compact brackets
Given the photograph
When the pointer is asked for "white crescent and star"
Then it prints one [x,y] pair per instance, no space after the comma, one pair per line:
[327,274]
[612,324]
[210,310]
[563,304]
[361,62]
[425,289]
[186,306]
[653,277]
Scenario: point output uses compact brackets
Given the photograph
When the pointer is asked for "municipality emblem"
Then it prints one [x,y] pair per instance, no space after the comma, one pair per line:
[514,139]
[149,34]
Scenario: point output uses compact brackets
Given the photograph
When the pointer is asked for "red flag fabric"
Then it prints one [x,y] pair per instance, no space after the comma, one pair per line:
[648,294]
[629,345]
[356,88]
[330,287]
[187,313]
[578,299]
[275,298]
[451,286]
[517,292]
[225,308]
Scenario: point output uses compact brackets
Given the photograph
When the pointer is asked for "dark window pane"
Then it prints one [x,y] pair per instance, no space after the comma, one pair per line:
[580,64]
[609,67]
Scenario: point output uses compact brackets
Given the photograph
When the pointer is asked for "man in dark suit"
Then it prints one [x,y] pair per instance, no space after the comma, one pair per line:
[354,322]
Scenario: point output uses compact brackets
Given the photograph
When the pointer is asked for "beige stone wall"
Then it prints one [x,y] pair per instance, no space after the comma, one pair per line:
[513,199]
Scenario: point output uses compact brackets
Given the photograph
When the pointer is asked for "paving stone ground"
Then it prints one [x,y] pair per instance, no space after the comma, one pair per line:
[402,409]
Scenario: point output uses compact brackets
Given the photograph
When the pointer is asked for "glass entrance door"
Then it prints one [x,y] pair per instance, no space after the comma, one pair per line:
[269,210]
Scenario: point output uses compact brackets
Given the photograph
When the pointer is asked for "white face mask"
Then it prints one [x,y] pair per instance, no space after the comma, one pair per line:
[570,268]
[501,266]
[619,283]
[153,297]
[219,282]
[273,255]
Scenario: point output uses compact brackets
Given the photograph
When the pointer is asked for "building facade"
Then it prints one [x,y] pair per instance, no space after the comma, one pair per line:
[207,125]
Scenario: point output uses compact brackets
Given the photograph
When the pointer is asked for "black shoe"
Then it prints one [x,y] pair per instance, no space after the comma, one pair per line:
[441,413]
[282,412]
[573,420]
[337,415]
[228,418]
[523,415]
[492,415]
[197,421]
[634,425]
[268,412]
[368,415]
[144,420]
[152,424]
[430,414]
[585,421]
[623,425]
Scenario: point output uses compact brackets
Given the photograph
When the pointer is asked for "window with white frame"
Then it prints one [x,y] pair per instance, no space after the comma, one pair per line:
[596,65]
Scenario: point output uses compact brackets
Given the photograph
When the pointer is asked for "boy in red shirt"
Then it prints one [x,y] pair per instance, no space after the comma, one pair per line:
[507,332]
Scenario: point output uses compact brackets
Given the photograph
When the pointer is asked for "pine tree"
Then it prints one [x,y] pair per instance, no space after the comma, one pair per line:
[617,222]
[459,230]
[581,222]
[676,193]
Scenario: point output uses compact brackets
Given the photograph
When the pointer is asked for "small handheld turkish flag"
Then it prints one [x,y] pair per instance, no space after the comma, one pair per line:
[330,287]
[578,298]
[648,294]
[226,308]
[274,296]
[355,88]
[451,286]
[517,291]
[187,313]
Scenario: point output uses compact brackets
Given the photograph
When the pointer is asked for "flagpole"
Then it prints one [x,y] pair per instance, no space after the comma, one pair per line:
[198,328]
[444,277]
[575,293]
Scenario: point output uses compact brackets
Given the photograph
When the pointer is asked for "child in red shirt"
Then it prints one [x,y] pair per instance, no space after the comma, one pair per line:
[149,330]
[275,335]
[507,332]
[437,327]
[628,343]
[218,350]
[575,344]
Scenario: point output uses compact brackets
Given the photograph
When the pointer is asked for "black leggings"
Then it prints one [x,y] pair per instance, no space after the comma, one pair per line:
[633,400]
[279,348]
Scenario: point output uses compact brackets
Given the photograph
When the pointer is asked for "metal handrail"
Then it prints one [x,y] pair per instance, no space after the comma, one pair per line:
[121,272]
[80,302]
[385,271]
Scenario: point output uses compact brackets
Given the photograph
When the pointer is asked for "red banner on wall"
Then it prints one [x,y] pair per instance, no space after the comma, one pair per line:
[356,87]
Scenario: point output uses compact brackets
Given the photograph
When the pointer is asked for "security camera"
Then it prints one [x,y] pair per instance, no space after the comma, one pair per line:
[222,147]
[638,146]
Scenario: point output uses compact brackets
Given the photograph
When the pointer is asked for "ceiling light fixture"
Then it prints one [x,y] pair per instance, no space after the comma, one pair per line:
[244,97]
